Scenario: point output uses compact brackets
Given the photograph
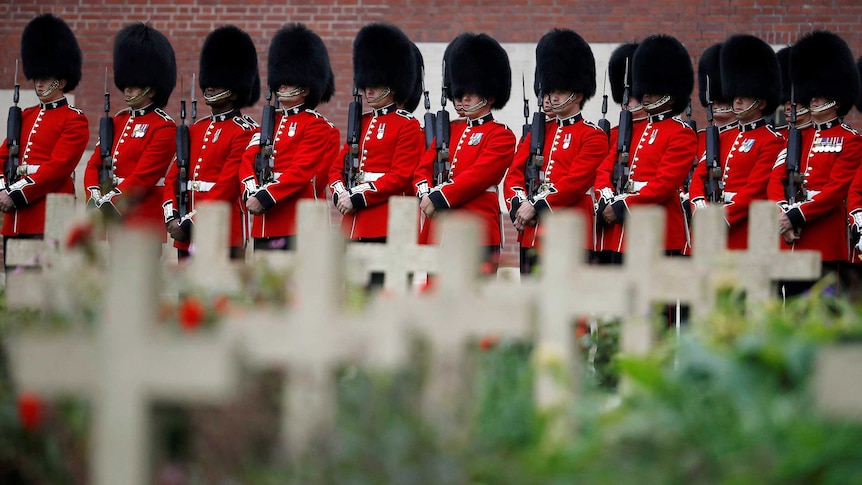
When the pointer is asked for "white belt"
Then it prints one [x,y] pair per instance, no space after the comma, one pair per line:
[492,188]
[199,186]
[370,176]
[728,197]
[119,180]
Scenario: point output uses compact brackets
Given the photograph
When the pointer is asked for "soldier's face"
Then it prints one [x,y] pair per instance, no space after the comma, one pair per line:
[475,106]
[49,88]
[722,113]
[138,98]
[820,115]
[747,108]
[564,103]
[547,108]
[378,96]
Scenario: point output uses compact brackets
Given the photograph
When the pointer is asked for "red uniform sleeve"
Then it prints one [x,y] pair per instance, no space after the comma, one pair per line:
[410,144]
[672,169]
[514,185]
[226,187]
[297,172]
[756,186]
[424,174]
[843,171]
[605,171]
[575,183]
[488,170]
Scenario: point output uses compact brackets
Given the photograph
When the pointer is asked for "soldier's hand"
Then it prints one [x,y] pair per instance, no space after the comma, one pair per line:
[344,204]
[784,224]
[427,207]
[254,206]
[608,215]
[6,202]
[177,233]
[526,215]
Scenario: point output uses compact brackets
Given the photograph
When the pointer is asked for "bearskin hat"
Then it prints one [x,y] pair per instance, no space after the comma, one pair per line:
[229,60]
[709,66]
[416,94]
[298,57]
[447,70]
[822,65]
[329,89]
[383,56]
[480,66]
[859,99]
[783,57]
[254,95]
[617,69]
[661,65]
[749,68]
[143,57]
[49,49]
[565,62]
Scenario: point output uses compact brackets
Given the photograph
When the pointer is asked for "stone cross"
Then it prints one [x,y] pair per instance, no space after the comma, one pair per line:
[398,258]
[125,363]
[27,286]
[210,267]
[836,389]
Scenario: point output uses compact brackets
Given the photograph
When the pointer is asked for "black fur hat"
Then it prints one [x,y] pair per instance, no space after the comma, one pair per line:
[710,65]
[229,60]
[329,90]
[480,66]
[749,68]
[49,49]
[821,64]
[661,65]
[383,56]
[617,69]
[143,57]
[783,57]
[254,94]
[447,71]
[416,94]
[298,57]
[859,99]
[565,61]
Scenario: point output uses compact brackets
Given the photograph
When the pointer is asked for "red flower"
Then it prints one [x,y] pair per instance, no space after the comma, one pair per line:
[30,410]
[582,327]
[488,268]
[488,342]
[79,234]
[221,304]
[191,313]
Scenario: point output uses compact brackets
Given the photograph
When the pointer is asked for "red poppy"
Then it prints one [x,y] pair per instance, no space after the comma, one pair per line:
[221,304]
[489,341]
[191,313]
[30,410]
[79,234]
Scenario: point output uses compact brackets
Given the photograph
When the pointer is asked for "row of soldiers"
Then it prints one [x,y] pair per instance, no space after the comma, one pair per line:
[146,174]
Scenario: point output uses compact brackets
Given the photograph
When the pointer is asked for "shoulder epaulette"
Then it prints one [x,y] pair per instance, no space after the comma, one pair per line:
[76,109]
[314,112]
[682,122]
[591,124]
[774,131]
[123,111]
[250,120]
[163,114]
[242,122]
[405,113]
[849,128]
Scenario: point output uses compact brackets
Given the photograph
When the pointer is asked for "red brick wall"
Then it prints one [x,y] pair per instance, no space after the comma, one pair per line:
[186,23]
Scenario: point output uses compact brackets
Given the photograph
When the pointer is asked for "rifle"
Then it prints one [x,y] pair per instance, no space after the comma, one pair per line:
[106,144]
[604,124]
[354,124]
[688,120]
[430,119]
[264,160]
[183,150]
[13,136]
[527,126]
[793,190]
[532,172]
[441,163]
[624,139]
[713,185]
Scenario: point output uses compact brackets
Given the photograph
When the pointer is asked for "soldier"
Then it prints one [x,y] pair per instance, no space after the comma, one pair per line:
[609,238]
[825,79]
[803,116]
[574,147]
[53,134]
[854,208]
[481,80]
[751,77]
[298,74]
[144,143]
[228,71]
[391,139]
[662,79]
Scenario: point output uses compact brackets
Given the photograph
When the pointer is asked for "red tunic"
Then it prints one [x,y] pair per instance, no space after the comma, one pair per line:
[53,139]
[660,162]
[573,153]
[747,155]
[389,152]
[300,145]
[423,177]
[480,158]
[610,238]
[144,145]
[515,183]
[217,144]
[829,161]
